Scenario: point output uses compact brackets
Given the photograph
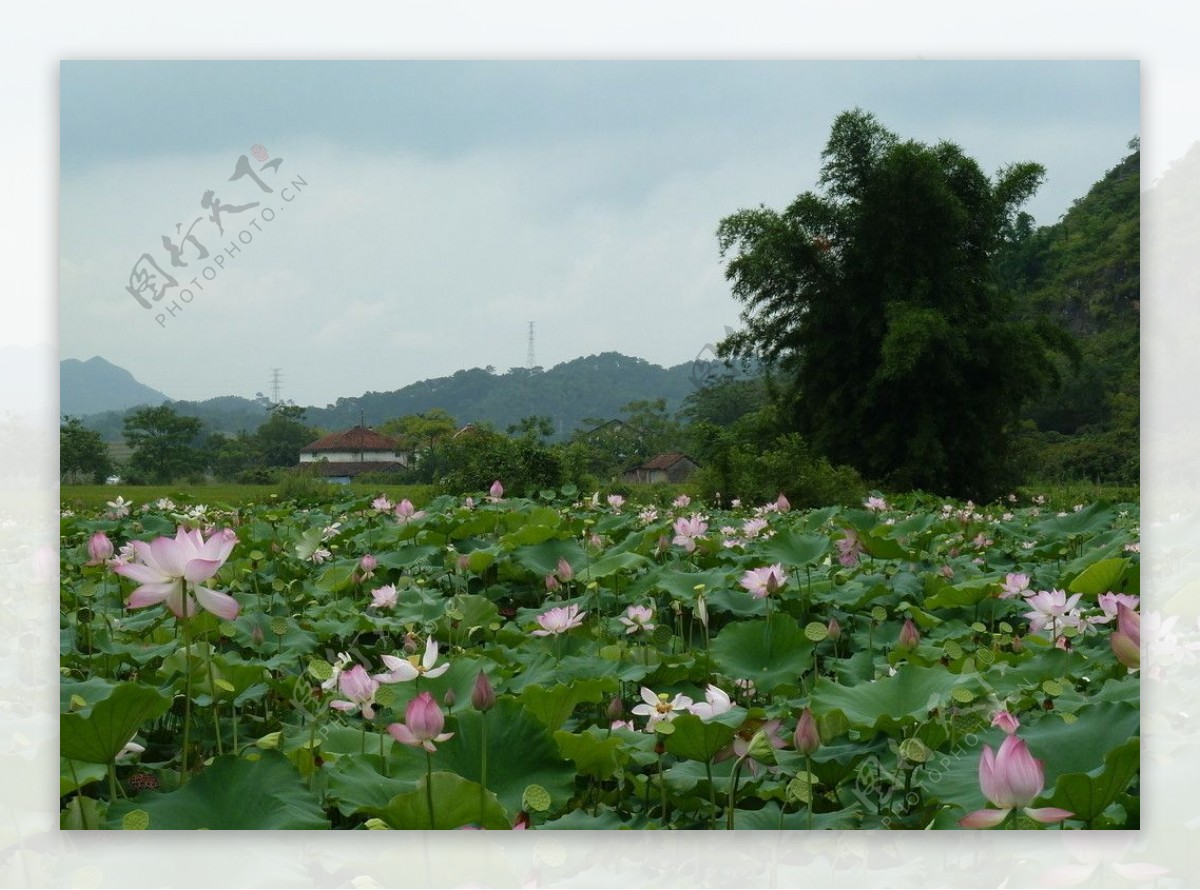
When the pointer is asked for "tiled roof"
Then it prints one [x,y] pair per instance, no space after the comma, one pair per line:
[357,438]
[664,461]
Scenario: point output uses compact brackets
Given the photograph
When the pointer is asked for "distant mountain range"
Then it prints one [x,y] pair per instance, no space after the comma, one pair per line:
[570,394]
[96,386]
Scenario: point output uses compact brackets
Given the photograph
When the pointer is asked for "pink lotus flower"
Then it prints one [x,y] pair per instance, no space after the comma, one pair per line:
[764,581]
[381,503]
[1109,603]
[781,504]
[687,530]
[168,565]
[1015,584]
[682,501]
[637,618]
[849,548]
[806,738]
[876,504]
[615,501]
[751,527]
[423,722]
[368,564]
[716,702]
[404,669]
[552,582]
[659,708]
[405,511]
[559,620]
[384,597]
[1011,779]
[1126,640]
[496,491]
[100,549]
[359,688]
[1006,721]
[1051,607]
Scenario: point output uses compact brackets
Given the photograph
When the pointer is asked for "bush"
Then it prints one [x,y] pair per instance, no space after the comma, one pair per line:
[788,466]
[304,486]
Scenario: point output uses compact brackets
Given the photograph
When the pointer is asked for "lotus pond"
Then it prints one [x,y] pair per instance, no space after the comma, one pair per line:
[559,662]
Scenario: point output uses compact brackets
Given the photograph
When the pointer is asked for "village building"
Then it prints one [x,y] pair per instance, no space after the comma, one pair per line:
[671,467]
[340,457]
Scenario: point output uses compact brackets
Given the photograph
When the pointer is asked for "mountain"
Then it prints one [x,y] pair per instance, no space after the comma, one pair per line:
[96,385]
[571,394]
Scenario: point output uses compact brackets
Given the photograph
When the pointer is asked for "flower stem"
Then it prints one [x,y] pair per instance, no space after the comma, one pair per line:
[187,697]
[212,686]
[733,784]
[429,787]
[662,784]
[712,795]
[482,766]
[808,774]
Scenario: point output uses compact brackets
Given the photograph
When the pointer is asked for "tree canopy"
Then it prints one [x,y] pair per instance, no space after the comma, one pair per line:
[876,309]
[82,452]
[163,444]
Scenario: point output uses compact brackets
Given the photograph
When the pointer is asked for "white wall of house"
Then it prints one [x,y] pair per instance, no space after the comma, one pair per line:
[355,456]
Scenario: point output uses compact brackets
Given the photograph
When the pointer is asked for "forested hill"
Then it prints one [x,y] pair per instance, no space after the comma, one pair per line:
[1084,272]
[593,387]
[596,386]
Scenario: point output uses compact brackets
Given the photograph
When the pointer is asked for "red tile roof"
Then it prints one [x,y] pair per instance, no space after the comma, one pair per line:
[664,461]
[357,438]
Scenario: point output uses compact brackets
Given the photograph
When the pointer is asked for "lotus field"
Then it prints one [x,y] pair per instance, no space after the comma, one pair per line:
[560,662]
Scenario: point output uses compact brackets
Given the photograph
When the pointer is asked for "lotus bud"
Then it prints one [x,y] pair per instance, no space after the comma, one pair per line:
[834,630]
[483,697]
[1126,640]
[909,635]
[565,572]
[100,548]
[616,710]
[807,739]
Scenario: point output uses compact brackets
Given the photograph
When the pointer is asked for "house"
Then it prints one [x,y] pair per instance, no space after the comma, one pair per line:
[669,467]
[340,457]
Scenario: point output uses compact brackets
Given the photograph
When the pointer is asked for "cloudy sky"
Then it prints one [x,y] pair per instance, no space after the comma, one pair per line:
[421,214]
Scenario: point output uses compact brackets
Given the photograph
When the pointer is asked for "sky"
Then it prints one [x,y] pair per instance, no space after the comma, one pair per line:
[421,214]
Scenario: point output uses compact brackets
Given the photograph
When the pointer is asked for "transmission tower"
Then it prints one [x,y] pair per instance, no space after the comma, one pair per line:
[276,382]
[530,361]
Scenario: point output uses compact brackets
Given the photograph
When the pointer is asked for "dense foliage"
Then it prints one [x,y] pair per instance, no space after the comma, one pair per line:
[565,663]
[876,303]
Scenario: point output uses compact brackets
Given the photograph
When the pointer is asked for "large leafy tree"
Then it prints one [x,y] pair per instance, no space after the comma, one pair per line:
[163,443]
[82,452]
[280,439]
[875,307]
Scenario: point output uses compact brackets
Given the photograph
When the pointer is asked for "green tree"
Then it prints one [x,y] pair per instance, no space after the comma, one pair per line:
[163,444]
[534,429]
[875,307]
[229,457]
[82,452]
[280,439]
